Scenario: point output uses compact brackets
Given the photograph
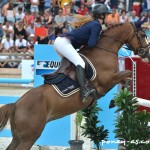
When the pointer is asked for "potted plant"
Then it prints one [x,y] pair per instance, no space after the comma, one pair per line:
[77,143]
[91,128]
[131,125]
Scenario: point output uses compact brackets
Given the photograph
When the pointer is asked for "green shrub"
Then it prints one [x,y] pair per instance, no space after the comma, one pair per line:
[131,124]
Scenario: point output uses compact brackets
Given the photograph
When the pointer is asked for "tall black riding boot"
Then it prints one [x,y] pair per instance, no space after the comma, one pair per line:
[86,93]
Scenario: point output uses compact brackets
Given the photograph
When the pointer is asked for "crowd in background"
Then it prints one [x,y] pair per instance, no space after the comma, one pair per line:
[19,20]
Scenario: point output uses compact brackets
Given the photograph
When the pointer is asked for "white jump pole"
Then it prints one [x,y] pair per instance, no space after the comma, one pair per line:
[143,102]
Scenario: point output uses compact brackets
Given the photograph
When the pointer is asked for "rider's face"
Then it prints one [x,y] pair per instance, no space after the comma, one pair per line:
[105,16]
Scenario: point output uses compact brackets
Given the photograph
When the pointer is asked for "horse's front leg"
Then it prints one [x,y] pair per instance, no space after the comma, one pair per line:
[123,77]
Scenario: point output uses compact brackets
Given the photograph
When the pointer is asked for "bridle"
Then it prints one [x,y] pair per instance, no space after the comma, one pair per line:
[140,50]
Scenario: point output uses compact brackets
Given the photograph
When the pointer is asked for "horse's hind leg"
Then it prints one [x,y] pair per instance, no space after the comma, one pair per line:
[27,140]
[13,145]
[29,136]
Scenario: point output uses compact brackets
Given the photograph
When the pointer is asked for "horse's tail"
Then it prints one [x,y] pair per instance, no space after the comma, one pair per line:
[6,112]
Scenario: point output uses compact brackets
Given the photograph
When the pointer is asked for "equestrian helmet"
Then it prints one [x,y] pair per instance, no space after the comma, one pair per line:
[100,9]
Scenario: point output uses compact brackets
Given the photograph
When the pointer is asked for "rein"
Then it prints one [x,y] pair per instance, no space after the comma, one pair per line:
[112,38]
[139,50]
[106,50]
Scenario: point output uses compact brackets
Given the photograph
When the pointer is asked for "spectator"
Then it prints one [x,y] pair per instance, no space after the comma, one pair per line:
[51,33]
[19,15]
[41,34]
[1,18]
[70,19]
[59,22]
[7,43]
[38,21]
[4,9]
[133,17]
[123,17]
[137,7]
[114,4]
[112,18]
[42,40]
[4,59]
[146,5]
[148,15]
[63,2]
[34,8]
[8,29]
[2,3]
[77,3]
[130,4]
[13,64]
[1,32]
[10,13]
[55,7]
[31,43]
[31,29]
[47,18]
[28,18]
[19,29]
[21,44]
[144,14]
[41,6]
[88,4]
[121,5]
[66,9]
[82,9]
[47,4]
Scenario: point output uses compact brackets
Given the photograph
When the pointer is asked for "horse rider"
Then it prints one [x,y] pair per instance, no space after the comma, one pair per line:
[87,33]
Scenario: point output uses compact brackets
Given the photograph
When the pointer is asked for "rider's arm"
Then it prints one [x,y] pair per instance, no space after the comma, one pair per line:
[95,31]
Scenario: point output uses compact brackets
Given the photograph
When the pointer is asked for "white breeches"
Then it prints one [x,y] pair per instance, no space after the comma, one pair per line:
[65,49]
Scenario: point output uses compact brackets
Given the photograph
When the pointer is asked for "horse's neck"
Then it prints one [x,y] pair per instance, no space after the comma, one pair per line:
[110,41]
[115,37]
[109,44]
[106,51]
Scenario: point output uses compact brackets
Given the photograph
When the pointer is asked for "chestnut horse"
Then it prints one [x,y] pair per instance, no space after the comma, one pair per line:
[29,115]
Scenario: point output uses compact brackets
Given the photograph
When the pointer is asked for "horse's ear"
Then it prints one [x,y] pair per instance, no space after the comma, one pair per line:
[140,22]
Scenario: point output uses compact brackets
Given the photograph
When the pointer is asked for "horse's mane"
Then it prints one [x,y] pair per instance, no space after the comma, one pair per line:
[113,26]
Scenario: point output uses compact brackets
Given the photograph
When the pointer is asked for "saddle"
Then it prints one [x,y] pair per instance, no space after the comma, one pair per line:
[64,78]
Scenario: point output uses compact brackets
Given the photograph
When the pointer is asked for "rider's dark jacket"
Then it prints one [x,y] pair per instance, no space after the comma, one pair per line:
[86,34]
